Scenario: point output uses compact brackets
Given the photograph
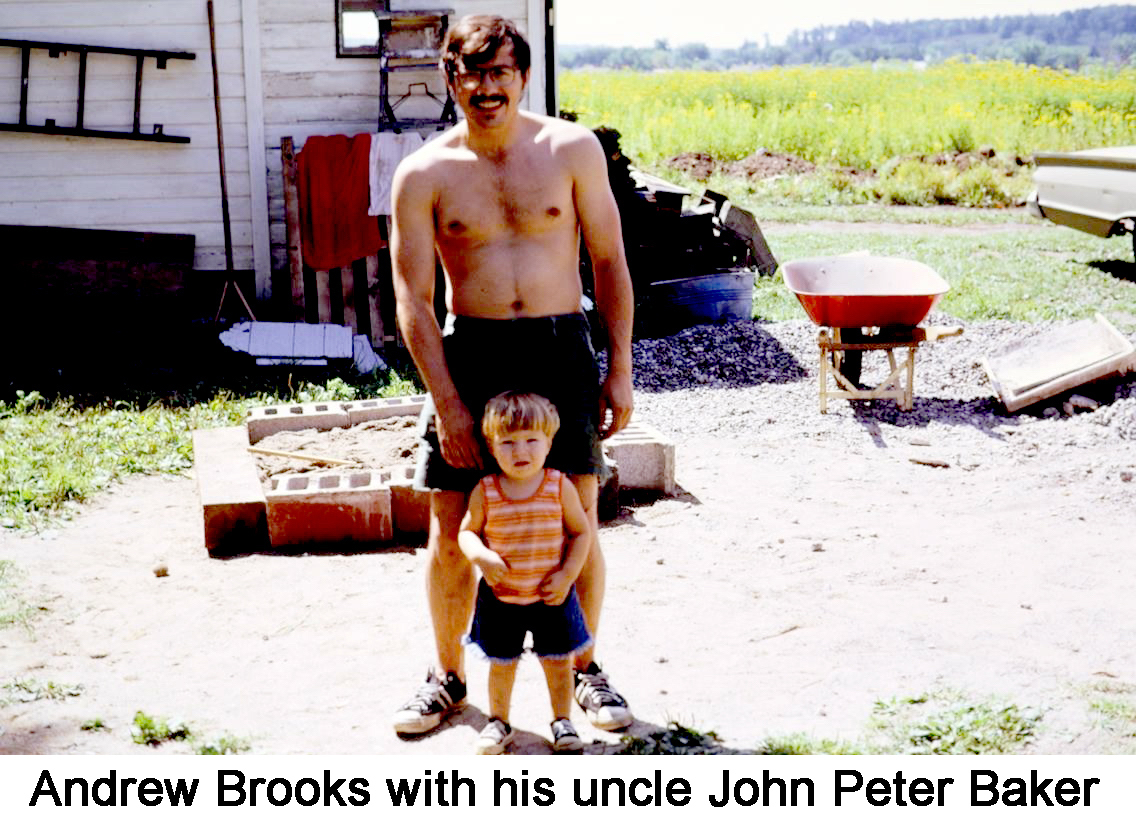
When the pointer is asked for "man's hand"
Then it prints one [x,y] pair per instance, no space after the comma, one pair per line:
[456,435]
[555,586]
[493,567]
[615,404]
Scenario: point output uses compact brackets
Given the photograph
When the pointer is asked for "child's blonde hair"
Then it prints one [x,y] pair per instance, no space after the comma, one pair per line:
[514,411]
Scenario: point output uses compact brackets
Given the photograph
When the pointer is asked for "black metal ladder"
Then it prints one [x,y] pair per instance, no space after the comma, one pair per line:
[79,130]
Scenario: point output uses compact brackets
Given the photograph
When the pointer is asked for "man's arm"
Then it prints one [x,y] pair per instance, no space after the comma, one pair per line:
[603,237]
[412,259]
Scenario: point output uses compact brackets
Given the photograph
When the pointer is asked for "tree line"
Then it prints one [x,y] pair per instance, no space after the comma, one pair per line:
[1068,40]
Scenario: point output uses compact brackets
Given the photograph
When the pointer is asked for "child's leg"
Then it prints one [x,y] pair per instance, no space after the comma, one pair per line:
[558,674]
[501,677]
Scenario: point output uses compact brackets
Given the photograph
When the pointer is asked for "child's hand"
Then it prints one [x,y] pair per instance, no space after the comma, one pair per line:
[555,586]
[493,567]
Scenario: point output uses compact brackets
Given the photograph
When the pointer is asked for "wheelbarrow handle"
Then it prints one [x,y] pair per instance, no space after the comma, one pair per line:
[933,333]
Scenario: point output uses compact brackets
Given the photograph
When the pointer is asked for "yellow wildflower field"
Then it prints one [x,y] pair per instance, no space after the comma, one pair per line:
[858,117]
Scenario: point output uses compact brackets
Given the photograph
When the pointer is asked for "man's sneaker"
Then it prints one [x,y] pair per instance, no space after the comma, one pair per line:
[564,737]
[494,738]
[605,707]
[430,705]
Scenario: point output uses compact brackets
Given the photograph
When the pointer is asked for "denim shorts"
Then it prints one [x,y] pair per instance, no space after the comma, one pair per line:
[499,628]
[550,356]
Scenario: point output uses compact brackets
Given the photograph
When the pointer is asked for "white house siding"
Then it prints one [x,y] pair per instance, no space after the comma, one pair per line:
[291,84]
[99,183]
[309,91]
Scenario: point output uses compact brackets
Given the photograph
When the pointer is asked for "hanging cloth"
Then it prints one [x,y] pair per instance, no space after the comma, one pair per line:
[387,151]
[333,184]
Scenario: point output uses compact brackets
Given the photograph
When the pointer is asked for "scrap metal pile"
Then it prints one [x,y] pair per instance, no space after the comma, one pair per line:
[688,266]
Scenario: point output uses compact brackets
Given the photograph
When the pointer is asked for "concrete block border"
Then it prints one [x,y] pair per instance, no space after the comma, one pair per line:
[374,504]
[327,508]
[263,421]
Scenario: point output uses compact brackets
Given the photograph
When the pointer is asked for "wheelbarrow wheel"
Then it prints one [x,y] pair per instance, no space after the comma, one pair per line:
[849,363]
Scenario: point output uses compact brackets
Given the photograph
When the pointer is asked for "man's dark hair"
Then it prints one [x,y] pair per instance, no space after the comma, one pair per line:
[475,39]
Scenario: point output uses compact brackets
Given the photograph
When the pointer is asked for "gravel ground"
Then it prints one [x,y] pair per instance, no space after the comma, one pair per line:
[745,375]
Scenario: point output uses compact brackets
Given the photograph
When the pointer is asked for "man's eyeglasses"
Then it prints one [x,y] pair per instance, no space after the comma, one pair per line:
[493,75]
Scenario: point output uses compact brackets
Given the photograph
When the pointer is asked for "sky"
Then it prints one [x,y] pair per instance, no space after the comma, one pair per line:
[728,23]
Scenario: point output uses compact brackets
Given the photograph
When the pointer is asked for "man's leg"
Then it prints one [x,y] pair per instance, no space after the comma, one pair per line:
[558,675]
[450,582]
[450,591]
[604,706]
[593,577]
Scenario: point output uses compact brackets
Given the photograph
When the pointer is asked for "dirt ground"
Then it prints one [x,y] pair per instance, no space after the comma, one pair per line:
[787,587]
[764,163]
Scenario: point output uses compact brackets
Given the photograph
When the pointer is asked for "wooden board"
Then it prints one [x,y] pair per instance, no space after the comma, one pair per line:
[1055,361]
[263,339]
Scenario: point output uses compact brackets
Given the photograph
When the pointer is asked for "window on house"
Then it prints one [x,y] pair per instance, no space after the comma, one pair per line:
[357,27]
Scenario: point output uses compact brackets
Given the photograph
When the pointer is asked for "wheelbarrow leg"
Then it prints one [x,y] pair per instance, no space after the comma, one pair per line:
[824,355]
[909,393]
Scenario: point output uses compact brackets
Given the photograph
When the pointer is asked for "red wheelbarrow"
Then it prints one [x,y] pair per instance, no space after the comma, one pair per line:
[865,302]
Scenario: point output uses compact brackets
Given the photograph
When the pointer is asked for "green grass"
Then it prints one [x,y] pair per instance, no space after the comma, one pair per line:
[938,723]
[153,731]
[1113,705]
[26,690]
[1052,274]
[14,611]
[222,745]
[56,453]
[995,184]
[801,744]
[949,723]
[945,722]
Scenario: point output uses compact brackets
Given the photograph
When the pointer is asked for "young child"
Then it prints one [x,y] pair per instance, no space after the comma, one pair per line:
[526,531]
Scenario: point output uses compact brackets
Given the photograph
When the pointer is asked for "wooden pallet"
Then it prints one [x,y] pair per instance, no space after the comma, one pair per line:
[1053,361]
[360,295]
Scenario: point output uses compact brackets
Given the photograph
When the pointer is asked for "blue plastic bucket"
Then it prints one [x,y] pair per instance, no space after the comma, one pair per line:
[719,297]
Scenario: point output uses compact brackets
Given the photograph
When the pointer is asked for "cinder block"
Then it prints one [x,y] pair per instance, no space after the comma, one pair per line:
[263,421]
[353,505]
[371,410]
[645,458]
[232,499]
[410,507]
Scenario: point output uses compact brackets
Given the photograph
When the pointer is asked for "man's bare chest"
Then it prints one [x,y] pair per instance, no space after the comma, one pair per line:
[516,201]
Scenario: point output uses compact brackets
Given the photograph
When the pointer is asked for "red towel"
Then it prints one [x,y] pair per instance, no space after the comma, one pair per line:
[334,190]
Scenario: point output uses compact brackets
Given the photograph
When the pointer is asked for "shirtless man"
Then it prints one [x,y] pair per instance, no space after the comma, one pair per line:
[503,198]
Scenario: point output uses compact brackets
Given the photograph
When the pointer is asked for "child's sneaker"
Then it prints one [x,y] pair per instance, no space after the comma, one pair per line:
[434,700]
[606,708]
[564,737]
[494,738]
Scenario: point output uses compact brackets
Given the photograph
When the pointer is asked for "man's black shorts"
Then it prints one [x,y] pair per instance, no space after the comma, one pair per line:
[550,356]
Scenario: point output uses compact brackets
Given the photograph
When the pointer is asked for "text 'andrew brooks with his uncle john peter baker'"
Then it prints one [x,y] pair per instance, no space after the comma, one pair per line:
[449,788]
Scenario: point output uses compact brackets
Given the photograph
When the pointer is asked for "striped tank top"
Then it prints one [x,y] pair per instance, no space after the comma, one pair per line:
[528,534]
